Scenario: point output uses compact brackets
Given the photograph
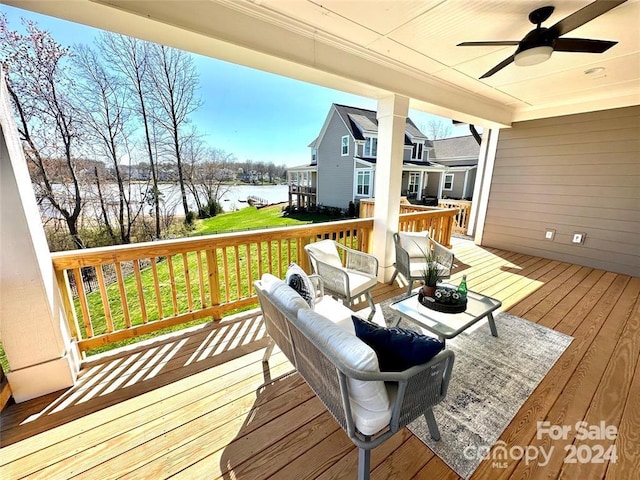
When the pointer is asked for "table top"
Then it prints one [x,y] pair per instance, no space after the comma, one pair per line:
[447,325]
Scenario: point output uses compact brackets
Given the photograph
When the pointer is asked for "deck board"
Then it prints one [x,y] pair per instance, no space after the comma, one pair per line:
[196,405]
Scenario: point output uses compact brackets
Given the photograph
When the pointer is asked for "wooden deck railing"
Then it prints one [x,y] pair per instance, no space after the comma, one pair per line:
[186,279]
[461,217]
[173,282]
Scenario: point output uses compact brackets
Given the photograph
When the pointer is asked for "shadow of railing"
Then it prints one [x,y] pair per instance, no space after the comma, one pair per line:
[132,371]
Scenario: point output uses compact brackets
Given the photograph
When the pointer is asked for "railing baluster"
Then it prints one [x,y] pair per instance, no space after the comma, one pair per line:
[225,264]
[86,319]
[105,298]
[200,278]
[214,278]
[156,286]
[280,258]
[123,294]
[187,280]
[270,253]
[249,272]
[143,308]
[67,302]
[172,281]
[260,269]
[238,278]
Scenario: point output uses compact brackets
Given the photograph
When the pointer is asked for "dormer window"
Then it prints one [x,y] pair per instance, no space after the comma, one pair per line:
[418,150]
[370,146]
[345,146]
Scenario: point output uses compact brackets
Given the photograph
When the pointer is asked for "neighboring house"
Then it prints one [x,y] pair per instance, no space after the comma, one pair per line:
[343,161]
[460,156]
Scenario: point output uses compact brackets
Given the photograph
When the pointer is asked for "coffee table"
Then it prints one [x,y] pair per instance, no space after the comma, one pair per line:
[447,325]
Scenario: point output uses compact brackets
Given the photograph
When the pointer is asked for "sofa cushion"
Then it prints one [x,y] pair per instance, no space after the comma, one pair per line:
[397,348]
[352,352]
[268,282]
[336,312]
[298,279]
[326,251]
[288,299]
[416,244]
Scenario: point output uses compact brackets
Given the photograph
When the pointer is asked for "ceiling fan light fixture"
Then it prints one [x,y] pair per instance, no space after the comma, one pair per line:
[533,56]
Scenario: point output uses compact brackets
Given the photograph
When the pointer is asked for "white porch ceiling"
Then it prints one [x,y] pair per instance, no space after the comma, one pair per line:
[377,47]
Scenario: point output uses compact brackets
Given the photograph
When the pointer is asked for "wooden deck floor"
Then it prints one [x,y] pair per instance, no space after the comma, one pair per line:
[196,405]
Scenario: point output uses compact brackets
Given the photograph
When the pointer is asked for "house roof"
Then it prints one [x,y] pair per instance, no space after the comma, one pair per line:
[361,121]
[456,147]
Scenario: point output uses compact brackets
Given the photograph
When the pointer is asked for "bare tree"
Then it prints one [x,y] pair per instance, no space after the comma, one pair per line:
[39,85]
[437,129]
[175,81]
[105,117]
[130,58]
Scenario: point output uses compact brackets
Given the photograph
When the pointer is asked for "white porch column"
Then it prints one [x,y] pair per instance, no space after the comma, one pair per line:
[33,328]
[420,183]
[392,116]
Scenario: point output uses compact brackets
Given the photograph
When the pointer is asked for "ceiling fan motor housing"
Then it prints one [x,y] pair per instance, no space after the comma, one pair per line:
[535,47]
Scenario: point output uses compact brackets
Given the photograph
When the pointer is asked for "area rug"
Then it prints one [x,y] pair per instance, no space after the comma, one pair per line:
[492,378]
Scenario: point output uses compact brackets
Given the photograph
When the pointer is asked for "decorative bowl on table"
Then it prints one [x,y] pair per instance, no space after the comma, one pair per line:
[445,300]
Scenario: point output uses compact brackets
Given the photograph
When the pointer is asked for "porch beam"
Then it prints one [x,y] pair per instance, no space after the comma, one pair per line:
[392,116]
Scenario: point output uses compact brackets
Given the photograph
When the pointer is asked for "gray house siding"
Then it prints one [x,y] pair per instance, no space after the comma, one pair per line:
[335,172]
[576,173]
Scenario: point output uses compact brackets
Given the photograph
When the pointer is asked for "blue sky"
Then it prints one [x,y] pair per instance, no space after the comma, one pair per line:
[250,113]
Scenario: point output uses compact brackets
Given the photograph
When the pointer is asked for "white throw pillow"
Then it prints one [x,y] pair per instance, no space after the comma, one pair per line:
[415,243]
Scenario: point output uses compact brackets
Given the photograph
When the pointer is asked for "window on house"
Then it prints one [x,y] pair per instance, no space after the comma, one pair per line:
[370,146]
[345,145]
[314,155]
[416,153]
[414,178]
[448,182]
[363,182]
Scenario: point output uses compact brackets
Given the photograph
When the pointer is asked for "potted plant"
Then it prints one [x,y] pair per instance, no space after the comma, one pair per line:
[431,274]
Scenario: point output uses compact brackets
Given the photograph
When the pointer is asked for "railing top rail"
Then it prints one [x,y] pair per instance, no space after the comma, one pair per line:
[433,211]
[101,255]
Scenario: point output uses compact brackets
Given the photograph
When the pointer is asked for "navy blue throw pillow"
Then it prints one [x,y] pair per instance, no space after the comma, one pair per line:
[397,348]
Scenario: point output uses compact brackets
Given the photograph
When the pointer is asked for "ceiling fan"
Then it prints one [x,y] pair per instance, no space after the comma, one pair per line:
[539,43]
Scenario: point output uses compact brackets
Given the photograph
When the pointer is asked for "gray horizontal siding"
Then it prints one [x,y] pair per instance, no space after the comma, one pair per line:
[335,172]
[577,173]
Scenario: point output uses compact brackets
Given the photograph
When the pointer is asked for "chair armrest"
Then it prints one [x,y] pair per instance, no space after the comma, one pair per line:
[334,279]
[403,262]
[360,261]
[318,285]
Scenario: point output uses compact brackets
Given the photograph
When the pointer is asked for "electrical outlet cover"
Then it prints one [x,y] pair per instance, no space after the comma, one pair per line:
[549,234]
[578,238]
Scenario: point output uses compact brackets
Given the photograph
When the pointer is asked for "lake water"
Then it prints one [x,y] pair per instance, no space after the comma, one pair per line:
[235,198]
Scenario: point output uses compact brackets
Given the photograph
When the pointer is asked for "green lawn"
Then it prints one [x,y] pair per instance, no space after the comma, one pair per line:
[252,218]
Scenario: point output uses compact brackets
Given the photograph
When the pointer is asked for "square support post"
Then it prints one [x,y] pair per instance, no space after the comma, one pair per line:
[392,117]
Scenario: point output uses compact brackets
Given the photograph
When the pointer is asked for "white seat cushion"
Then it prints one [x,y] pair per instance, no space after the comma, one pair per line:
[360,282]
[336,312]
[326,251]
[417,269]
[416,244]
[368,398]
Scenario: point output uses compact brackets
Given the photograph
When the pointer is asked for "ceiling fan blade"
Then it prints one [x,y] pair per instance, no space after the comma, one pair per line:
[499,67]
[584,15]
[585,45]
[490,43]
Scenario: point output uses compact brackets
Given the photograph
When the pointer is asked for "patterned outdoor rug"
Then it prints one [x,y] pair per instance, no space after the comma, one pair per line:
[492,378]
